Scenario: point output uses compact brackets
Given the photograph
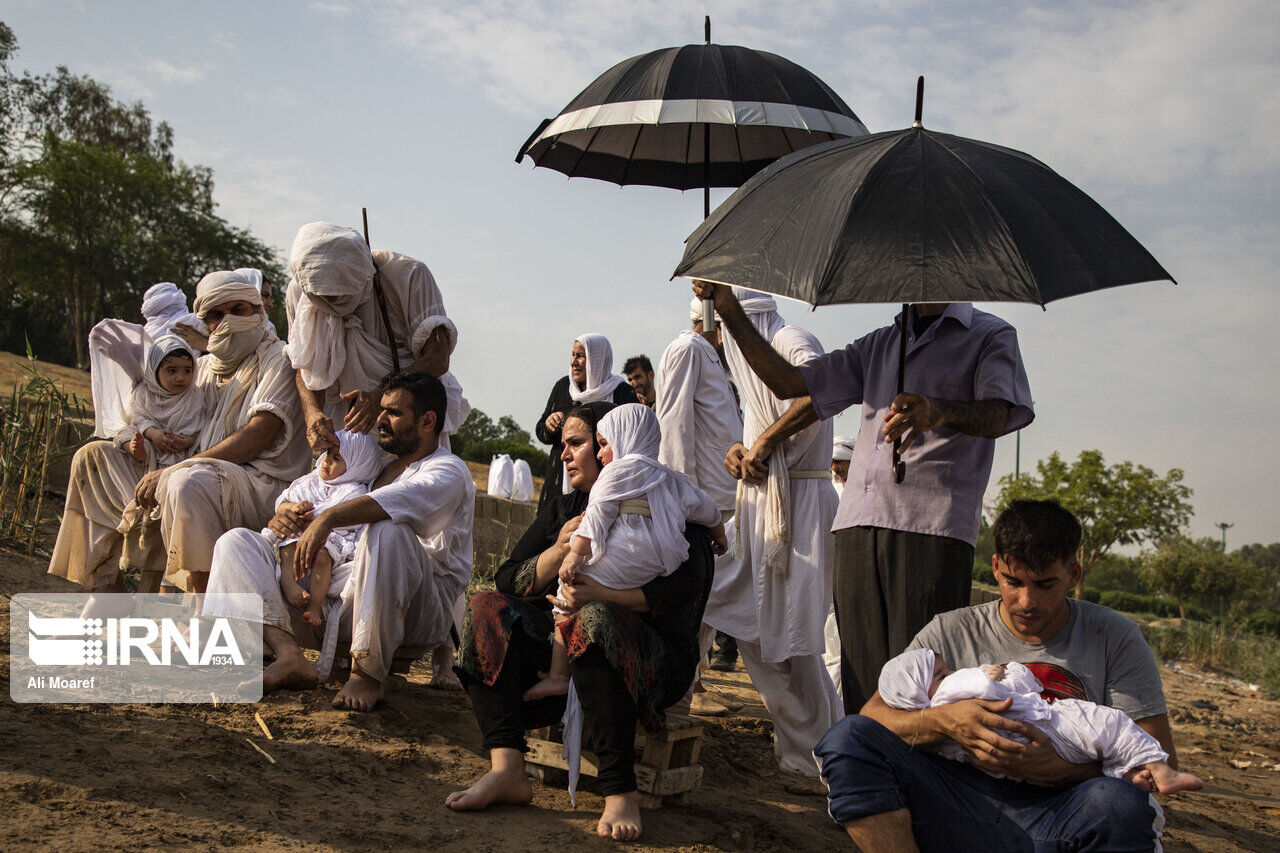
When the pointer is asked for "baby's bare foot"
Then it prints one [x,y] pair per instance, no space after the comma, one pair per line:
[1168,780]
[550,685]
[293,593]
[313,616]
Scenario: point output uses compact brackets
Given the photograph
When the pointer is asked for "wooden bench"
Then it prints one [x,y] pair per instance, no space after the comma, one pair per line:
[667,768]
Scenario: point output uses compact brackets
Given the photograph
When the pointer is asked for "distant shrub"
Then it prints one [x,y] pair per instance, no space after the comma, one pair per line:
[1156,605]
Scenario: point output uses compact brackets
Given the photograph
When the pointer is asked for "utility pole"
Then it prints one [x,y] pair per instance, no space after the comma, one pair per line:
[1223,525]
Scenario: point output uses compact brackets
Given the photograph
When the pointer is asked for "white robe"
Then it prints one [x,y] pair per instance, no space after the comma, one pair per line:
[698,416]
[781,611]
[405,575]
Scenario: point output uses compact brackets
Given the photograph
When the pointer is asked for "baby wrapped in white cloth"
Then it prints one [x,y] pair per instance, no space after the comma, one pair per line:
[341,474]
[1080,731]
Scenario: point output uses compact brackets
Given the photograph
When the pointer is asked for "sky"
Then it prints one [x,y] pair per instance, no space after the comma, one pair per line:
[1165,112]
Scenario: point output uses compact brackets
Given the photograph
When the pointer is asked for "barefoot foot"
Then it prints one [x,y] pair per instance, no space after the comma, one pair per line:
[550,685]
[1168,780]
[495,788]
[313,616]
[442,677]
[621,818]
[293,593]
[360,693]
[289,673]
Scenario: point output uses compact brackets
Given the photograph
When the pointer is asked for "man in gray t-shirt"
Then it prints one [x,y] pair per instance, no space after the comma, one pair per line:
[891,795]
[1100,655]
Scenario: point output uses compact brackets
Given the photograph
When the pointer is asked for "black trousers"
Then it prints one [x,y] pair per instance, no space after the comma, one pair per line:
[608,711]
[888,585]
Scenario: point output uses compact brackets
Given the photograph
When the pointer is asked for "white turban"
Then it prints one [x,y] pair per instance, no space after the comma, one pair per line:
[601,381]
[842,448]
[163,306]
[223,286]
[695,310]
[334,268]
[632,431]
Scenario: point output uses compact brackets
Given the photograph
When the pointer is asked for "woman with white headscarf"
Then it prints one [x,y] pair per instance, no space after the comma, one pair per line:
[343,337]
[590,380]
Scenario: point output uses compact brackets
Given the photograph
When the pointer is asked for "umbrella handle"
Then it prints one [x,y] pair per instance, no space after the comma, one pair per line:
[899,467]
[708,315]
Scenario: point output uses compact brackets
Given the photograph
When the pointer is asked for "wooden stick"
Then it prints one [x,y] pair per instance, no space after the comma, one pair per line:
[262,725]
[261,750]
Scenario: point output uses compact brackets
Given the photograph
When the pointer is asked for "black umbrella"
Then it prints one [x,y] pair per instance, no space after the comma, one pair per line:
[702,115]
[914,216]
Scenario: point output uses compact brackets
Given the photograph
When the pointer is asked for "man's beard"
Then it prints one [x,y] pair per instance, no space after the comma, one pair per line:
[397,444]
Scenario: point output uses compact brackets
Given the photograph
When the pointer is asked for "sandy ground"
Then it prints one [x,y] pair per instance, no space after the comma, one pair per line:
[162,777]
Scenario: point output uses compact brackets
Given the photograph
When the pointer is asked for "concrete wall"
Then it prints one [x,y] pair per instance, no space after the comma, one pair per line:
[499,524]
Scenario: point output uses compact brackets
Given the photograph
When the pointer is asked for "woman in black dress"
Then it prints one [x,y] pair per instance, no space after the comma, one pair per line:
[632,652]
[590,380]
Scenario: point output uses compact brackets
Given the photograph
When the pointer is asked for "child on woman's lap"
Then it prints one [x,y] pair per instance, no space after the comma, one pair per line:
[633,528]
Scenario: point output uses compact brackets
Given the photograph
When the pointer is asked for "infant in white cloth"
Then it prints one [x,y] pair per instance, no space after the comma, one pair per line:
[341,474]
[1080,731]
[633,528]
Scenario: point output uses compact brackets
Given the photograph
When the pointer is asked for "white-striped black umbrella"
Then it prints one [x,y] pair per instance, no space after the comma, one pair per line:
[702,115]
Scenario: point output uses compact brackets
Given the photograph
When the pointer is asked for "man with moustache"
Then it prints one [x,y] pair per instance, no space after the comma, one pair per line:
[412,562]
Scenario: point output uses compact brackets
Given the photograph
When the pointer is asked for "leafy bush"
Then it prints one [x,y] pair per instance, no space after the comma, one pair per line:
[1243,654]
[1157,605]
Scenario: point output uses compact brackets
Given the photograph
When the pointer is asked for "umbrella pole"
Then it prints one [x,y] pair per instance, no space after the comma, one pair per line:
[900,467]
[708,305]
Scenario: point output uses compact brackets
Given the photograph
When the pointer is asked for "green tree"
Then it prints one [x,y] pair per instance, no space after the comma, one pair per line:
[94,209]
[479,439]
[1198,570]
[1122,504]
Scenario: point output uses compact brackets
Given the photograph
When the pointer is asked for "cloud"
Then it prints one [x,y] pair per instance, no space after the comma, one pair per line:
[168,72]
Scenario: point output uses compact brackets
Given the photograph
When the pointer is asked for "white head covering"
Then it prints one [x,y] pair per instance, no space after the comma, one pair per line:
[842,448]
[236,338]
[762,311]
[632,431]
[695,310]
[163,306]
[362,455]
[334,268]
[904,680]
[601,381]
[223,286]
[151,405]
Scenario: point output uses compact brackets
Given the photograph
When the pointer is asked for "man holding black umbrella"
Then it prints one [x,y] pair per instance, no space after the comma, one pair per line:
[904,551]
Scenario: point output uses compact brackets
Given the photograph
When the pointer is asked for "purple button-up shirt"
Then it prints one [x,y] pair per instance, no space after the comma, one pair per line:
[965,355]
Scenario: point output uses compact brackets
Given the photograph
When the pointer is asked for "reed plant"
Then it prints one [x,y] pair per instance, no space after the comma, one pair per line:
[1241,653]
[37,430]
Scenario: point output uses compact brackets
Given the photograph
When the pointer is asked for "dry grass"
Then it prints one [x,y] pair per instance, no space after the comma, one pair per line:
[1242,654]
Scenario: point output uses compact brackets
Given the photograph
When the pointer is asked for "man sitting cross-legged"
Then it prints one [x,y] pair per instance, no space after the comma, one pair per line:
[411,564]
[890,789]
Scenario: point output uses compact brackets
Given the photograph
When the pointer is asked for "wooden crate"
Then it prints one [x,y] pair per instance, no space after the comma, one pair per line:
[667,768]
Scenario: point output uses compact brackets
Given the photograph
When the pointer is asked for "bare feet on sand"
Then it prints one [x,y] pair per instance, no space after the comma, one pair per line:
[290,672]
[550,685]
[442,677]
[495,788]
[293,593]
[360,693]
[621,818]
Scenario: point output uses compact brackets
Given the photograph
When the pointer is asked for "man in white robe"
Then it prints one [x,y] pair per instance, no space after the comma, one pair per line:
[338,333]
[251,448]
[774,599]
[700,423]
[412,561]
